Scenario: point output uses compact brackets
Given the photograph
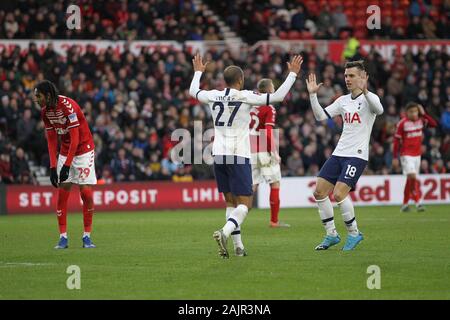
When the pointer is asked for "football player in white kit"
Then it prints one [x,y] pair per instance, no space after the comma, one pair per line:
[342,170]
[230,109]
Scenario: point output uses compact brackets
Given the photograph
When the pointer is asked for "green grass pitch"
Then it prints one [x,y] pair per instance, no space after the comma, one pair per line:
[171,255]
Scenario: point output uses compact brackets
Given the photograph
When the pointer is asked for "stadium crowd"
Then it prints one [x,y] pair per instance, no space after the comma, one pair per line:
[179,20]
[334,19]
[183,20]
[134,102]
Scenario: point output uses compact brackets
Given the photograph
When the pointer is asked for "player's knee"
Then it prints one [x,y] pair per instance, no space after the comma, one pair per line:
[339,195]
[412,176]
[319,194]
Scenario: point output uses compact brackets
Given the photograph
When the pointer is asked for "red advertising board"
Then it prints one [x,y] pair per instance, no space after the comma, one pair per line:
[119,197]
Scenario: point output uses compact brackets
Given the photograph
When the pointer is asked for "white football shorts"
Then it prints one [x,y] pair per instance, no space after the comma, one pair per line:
[264,168]
[410,164]
[82,169]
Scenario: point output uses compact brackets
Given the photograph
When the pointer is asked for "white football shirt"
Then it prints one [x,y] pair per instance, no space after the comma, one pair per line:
[358,121]
[230,109]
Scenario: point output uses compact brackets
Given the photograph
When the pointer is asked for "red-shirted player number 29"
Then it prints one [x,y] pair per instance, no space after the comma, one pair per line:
[84,171]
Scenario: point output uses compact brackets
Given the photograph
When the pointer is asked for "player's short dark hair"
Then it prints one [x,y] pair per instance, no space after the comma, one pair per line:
[411,105]
[49,90]
[232,75]
[356,64]
[263,85]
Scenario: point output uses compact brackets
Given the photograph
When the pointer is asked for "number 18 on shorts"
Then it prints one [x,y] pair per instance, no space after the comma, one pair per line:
[343,169]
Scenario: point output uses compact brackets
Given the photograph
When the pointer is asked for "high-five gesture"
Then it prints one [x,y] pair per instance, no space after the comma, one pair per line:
[311,84]
[198,64]
[295,64]
[363,81]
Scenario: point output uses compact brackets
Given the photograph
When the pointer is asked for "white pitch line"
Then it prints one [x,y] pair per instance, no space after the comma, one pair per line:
[24,264]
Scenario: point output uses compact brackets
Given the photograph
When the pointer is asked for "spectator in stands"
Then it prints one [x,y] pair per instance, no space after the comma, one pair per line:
[25,128]
[123,167]
[324,19]
[298,19]
[429,28]
[182,175]
[340,21]
[295,164]
[6,174]
[20,168]
[415,29]
[211,34]
[445,119]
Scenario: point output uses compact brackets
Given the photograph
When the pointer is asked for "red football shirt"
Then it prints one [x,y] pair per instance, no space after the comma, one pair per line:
[261,124]
[410,133]
[65,116]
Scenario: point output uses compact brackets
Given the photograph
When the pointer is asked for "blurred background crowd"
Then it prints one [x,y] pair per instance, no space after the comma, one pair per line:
[133,102]
[252,20]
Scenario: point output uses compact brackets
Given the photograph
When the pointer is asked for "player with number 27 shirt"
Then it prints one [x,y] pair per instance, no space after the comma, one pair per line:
[75,164]
[230,110]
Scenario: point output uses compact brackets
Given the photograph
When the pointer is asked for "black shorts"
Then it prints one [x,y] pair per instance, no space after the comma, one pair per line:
[343,169]
[233,174]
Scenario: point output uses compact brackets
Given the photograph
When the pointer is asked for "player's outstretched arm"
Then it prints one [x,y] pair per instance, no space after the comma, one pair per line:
[278,96]
[199,68]
[294,67]
[313,88]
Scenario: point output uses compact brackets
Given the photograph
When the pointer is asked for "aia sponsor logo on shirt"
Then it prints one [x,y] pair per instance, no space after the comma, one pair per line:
[350,117]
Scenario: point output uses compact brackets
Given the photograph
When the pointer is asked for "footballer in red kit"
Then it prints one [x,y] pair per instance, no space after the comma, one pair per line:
[408,145]
[63,117]
[265,158]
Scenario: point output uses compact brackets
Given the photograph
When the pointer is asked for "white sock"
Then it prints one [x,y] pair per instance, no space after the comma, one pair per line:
[348,214]
[327,216]
[236,234]
[86,234]
[61,235]
[236,218]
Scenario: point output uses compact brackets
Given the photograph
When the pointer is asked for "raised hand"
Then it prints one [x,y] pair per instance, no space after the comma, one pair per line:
[363,81]
[198,64]
[311,84]
[295,64]
[421,109]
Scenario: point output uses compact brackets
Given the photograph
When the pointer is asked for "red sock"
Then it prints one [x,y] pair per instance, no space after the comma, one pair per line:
[412,188]
[417,192]
[274,204]
[88,207]
[61,209]
[407,191]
